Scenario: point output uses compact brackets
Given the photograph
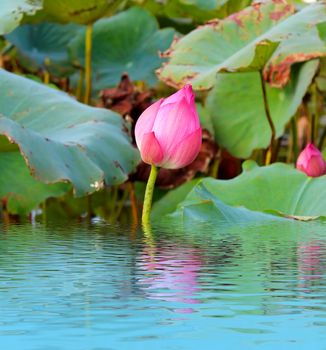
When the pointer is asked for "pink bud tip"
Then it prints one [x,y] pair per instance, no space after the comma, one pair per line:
[168,133]
[311,161]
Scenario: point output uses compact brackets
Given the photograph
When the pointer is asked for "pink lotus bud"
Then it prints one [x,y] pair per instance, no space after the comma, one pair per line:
[311,161]
[168,133]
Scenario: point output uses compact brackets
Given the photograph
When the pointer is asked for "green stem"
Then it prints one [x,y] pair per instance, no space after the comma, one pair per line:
[269,153]
[295,150]
[322,139]
[88,63]
[216,164]
[118,209]
[315,113]
[46,77]
[44,213]
[79,90]
[149,195]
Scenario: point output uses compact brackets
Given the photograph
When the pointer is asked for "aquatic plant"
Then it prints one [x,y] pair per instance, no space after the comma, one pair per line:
[258,70]
[168,135]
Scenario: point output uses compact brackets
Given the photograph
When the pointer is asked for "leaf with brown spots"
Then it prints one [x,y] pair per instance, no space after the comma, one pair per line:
[267,35]
[76,11]
[12,12]
[52,130]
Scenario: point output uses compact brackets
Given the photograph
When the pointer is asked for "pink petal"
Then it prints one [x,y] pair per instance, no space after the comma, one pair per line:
[151,151]
[146,121]
[185,92]
[185,152]
[316,166]
[311,161]
[174,122]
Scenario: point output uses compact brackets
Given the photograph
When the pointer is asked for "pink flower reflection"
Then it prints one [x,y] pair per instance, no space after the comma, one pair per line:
[170,274]
[310,262]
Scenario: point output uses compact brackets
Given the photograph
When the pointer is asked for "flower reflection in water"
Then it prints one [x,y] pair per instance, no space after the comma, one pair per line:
[311,263]
[171,274]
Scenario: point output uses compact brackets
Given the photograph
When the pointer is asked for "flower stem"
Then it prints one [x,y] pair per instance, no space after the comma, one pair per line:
[149,195]
[88,63]
[269,153]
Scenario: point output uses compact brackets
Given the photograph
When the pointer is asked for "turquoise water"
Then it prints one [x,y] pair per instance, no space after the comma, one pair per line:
[105,287]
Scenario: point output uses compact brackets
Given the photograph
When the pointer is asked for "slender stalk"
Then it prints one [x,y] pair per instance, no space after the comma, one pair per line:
[295,150]
[134,205]
[44,213]
[216,164]
[80,84]
[89,207]
[88,63]
[46,77]
[149,195]
[315,113]
[118,208]
[269,153]
[322,139]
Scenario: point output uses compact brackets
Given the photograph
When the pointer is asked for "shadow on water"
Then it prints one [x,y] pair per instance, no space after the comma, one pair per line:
[98,286]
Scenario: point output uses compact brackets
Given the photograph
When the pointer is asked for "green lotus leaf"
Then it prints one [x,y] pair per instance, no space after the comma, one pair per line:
[237,111]
[76,11]
[13,11]
[128,42]
[172,199]
[63,140]
[258,192]
[44,46]
[20,191]
[266,35]
[197,10]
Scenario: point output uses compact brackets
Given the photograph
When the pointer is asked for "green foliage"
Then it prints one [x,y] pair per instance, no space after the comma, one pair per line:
[237,108]
[63,140]
[12,12]
[196,10]
[76,11]
[128,42]
[266,36]
[258,192]
[44,46]
[19,189]
[59,148]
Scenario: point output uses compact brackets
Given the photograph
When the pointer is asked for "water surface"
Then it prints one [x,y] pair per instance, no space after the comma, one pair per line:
[106,287]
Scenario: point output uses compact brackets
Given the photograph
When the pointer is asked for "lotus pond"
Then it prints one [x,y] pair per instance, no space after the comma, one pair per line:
[219,106]
[98,286]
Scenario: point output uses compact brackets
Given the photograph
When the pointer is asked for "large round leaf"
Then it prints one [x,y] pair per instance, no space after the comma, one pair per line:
[128,42]
[278,189]
[76,11]
[12,12]
[266,35]
[21,192]
[62,139]
[236,107]
[44,46]
[197,10]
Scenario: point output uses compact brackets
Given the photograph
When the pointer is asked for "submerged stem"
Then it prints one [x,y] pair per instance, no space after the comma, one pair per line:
[79,89]
[149,195]
[46,77]
[88,63]
[269,154]
[134,205]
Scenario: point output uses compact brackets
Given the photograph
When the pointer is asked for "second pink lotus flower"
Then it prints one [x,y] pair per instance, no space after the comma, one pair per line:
[168,133]
[311,161]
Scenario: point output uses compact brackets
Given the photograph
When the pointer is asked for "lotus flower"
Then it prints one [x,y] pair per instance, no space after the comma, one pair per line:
[311,161]
[168,133]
